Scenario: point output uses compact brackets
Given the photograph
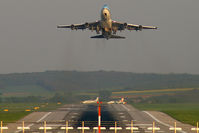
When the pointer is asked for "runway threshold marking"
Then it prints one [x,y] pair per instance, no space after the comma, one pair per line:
[161,121]
[36,121]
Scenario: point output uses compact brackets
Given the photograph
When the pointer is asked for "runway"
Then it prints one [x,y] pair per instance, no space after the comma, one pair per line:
[78,115]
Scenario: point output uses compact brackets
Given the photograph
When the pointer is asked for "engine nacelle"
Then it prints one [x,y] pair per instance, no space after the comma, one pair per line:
[92,28]
[72,27]
[97,29]
[125,25]
[86,25]
[140,27]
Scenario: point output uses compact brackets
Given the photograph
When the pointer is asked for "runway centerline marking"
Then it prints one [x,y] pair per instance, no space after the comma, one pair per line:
[160,121]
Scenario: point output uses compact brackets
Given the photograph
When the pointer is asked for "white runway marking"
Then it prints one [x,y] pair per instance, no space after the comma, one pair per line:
[120,113]
[160,121]
[37,121]
[73,116]
[122,116]
[44,116]
[125,107]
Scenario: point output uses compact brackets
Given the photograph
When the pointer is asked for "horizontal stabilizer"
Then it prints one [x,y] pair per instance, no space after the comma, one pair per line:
[99,36]
[117,37]
[112,36]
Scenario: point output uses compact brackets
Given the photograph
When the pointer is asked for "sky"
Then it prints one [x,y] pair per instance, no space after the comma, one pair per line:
[30,41]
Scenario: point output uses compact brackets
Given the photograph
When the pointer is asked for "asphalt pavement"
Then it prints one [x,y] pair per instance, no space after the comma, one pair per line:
[119,116]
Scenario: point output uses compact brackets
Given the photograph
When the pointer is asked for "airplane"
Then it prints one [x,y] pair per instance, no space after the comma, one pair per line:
[91,101]
[117,102]
[106,26]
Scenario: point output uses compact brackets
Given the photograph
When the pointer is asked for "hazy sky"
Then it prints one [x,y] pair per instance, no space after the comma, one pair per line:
[30,41]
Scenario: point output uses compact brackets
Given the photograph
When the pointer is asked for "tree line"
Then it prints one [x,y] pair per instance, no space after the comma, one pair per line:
[73,80]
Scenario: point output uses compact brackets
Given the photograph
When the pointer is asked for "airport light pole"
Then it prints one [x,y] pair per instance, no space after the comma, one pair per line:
[99,117]
[1,126]
[66,126]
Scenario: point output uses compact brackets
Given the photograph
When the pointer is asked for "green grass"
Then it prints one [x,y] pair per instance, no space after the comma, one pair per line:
[8,117]
[17,111]
[16,107]
[185,116]
[184,112]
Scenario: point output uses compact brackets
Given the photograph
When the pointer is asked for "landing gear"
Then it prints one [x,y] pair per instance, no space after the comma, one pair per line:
[106,34]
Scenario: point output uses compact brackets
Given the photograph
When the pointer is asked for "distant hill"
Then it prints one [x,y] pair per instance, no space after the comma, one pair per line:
[73,80]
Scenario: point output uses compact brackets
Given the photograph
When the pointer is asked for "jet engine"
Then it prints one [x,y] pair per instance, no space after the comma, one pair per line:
[125,25]
[86,25]
[72,27]
[140,27]
[92,28]
[97,29]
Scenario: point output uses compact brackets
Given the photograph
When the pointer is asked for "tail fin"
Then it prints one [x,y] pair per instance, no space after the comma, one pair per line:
[97,99]
[122,99]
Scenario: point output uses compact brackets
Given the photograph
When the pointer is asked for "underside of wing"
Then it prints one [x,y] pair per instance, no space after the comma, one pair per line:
[123,26]
[140,27]
[90,26]
[73,26]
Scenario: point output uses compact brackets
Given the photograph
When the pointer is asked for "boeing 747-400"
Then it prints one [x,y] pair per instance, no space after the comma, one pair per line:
[106,26]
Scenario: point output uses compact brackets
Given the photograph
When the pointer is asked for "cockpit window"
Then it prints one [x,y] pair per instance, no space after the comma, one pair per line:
[106,6]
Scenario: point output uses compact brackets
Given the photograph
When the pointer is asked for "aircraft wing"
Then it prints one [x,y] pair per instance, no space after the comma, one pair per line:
[123,26]
[90,26]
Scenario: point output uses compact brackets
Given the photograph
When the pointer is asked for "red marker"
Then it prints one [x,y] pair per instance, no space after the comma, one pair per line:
[99,117]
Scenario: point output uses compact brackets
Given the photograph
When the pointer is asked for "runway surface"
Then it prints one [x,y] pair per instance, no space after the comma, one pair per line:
[75,114]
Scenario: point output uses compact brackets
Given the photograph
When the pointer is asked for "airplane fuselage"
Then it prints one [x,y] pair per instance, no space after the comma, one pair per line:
[106,26]
[106,22]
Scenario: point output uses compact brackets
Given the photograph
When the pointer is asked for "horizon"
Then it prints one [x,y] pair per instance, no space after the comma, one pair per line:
[96,71]
[31,42]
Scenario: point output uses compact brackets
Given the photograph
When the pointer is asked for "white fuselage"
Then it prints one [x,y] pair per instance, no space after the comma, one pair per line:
[106,22]
[91,101]
[117,102]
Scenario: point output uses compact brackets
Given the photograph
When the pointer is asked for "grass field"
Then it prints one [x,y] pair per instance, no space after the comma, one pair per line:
[155,91]
[16,111]
[184,112]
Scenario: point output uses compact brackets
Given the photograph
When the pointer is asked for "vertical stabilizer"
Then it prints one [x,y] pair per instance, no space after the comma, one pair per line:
[122,99]
[97,99]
